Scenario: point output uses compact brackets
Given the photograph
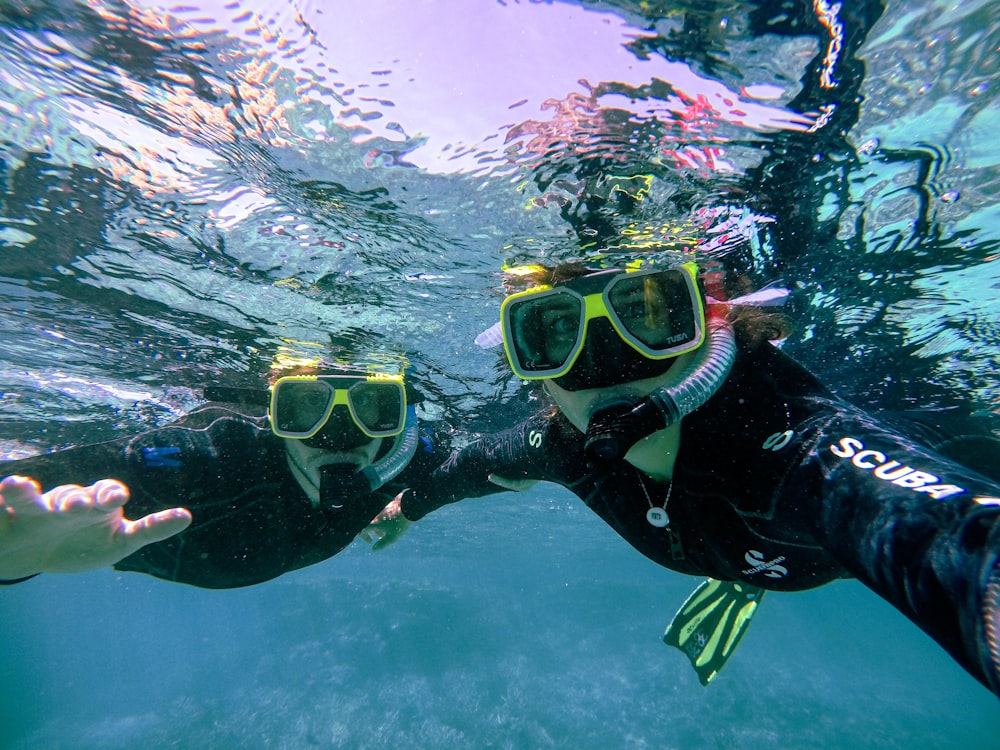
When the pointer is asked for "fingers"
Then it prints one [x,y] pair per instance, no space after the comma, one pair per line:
[389,533]
[389,537]
[156,527]
[371,535]
[105,495]
[390,511]
[18,491]
[68,497]
[23,496]
[15,483]
[109,493]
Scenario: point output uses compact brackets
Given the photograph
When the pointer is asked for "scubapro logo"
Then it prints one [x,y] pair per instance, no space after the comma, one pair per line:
[535,439]
[889,470]
[770,568]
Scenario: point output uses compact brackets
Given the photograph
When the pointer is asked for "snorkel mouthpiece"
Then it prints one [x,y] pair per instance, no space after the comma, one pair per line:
[340,485]
[616,428]
[613,430]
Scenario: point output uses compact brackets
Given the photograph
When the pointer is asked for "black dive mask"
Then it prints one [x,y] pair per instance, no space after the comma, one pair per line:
[606,361]
[338,434]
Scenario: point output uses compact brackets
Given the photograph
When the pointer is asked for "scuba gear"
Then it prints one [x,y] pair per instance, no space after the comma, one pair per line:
[338,434]
[340,483]
[612,430]
[398,457]
[303,405]
[303,408]
[658,314]
[605,361]
[711,623]
[615,327]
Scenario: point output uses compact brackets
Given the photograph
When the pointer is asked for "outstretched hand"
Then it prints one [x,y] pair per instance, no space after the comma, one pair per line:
[387,527]
[72,529]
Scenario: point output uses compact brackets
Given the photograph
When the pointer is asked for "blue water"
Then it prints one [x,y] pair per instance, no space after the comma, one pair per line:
[188,190]
[505,623]
[469,636]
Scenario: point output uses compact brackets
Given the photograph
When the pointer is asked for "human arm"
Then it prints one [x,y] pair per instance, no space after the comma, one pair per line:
[919,530]
[202,462]
[391,523]
[492,463]
[808,482]
[71,529]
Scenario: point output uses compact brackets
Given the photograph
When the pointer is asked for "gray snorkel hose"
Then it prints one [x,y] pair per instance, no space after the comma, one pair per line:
[613,430]
[399,456]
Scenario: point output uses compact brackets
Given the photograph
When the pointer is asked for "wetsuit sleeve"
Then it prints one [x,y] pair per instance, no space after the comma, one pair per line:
[159,467]
[465,473]
[83,465]
[921,531]
[252,521]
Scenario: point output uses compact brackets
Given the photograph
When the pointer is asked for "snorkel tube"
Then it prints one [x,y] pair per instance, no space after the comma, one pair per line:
[613,430]
[403,449]
[340,484]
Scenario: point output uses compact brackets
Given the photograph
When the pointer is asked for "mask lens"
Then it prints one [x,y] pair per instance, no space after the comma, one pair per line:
[655,309]
[543,330]
[300,407]
[378,408]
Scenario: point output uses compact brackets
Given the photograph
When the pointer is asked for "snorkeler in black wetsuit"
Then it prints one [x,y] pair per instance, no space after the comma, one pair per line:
[267,495]
[762,475]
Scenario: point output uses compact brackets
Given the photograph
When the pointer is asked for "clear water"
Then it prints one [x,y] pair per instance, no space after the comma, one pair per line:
[186,189]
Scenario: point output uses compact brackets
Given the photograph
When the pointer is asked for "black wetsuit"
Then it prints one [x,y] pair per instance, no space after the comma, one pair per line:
[251,519]
[780,484]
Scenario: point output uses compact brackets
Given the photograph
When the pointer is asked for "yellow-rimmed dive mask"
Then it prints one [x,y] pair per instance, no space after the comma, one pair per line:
[302,405]
[658,314]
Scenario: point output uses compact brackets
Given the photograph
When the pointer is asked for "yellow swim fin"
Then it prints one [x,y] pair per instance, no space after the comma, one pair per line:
[711,623]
